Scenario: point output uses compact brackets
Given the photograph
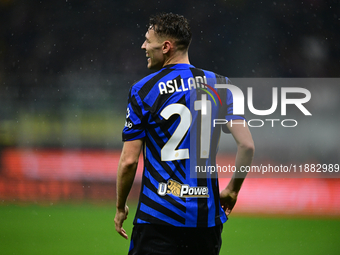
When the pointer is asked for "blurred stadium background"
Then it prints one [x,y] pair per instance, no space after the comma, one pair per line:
[65,71]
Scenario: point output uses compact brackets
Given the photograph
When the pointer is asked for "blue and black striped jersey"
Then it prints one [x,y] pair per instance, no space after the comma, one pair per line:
[173,111]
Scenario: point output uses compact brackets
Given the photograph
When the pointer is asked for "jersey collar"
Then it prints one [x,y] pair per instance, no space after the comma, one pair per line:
[178,66]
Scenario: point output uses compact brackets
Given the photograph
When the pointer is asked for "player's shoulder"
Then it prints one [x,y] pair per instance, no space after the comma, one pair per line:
[211,74]
[140,83]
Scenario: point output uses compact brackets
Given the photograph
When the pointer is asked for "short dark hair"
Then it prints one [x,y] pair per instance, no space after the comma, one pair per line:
[174,26]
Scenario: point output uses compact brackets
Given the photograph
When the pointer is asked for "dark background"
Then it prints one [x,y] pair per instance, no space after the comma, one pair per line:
[238,38]
[66,66]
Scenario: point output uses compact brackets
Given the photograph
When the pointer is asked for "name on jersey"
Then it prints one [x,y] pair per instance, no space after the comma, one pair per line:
[179,85]
[181,190]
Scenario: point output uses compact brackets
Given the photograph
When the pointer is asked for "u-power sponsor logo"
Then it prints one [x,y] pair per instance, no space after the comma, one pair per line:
[181,190]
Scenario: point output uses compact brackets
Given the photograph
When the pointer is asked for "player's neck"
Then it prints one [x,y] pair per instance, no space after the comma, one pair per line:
[177,59]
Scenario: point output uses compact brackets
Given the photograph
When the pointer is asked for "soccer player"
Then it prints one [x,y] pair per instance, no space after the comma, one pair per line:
[169,118]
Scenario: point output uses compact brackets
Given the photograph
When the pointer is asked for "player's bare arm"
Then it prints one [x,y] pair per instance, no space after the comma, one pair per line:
[126,172]
[244,157]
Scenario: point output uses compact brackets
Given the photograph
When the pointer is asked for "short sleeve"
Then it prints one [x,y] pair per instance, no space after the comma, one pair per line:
[228,111]
[134,121]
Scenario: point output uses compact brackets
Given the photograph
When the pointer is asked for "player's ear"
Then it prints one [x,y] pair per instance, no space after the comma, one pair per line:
[167,45]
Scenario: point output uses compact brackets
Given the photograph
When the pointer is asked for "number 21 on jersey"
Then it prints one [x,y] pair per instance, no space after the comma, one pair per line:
[169,151]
